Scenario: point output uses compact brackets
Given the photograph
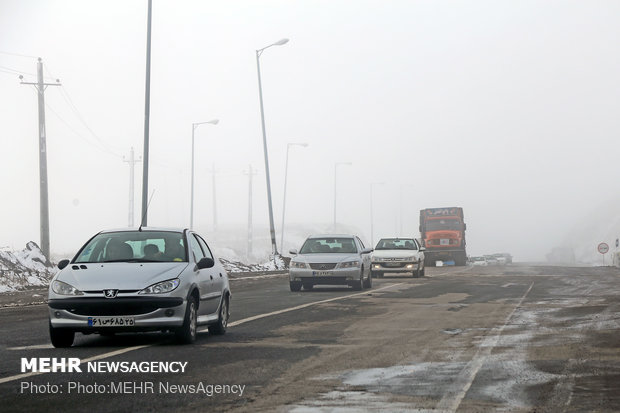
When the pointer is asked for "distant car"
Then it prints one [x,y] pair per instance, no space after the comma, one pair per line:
[144,279]
[330,260]
[479,261]
[491,260]
[398,255]
[501,259]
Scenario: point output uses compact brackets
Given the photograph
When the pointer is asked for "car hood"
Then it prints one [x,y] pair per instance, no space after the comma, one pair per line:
[120,275]
[329,257]
[394,253]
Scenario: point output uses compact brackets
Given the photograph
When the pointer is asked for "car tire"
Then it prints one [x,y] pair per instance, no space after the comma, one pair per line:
[295,286]
[222,322]
[61,337]
[418,272]
[358,285]
[308,287]
[368,282]
[187,333]
[423,273]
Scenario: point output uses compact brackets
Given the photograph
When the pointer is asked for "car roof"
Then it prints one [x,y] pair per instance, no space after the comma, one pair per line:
[331,236]
[144,229]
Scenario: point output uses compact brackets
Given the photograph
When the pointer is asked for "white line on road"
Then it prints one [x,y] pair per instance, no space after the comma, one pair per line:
[451,402]
[299,307]
[234,323]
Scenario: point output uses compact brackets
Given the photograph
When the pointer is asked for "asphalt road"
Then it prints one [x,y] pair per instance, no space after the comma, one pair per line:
[514,338]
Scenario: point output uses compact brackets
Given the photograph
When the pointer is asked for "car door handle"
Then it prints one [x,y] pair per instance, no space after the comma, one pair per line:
[211,276]
[220,275]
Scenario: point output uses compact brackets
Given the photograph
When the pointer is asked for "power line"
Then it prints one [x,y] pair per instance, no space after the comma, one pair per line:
[80,135]
[18,54]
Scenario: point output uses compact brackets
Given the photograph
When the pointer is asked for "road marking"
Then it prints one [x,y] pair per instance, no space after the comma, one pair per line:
[98,357]
[234,323]
[299,307]
[35,347]
[451,402]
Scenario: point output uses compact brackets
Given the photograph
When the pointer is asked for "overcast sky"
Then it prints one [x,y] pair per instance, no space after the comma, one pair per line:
[509,109]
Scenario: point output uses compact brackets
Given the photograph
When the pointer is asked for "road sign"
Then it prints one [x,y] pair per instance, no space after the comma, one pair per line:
[603,248]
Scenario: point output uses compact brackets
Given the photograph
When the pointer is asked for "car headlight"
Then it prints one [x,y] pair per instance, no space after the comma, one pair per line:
[349,264]
[298,264]
[62,288]
[161,287]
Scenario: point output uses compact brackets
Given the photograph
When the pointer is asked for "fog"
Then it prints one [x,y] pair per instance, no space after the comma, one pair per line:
[508,109]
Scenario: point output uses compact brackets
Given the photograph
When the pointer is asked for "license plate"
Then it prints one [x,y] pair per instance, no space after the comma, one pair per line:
[444,241]
[111,321]
[321,273]
[393,264]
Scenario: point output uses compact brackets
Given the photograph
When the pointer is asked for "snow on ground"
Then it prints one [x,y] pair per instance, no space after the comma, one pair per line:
[25,268]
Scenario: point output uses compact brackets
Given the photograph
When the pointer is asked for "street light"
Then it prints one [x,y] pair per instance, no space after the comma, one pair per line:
[335,187]
[274,248]
[194,126]
[372,234]
[288,146]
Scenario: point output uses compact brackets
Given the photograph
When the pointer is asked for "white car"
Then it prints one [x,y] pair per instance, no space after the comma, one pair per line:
[479,261]
[398,255]
[331,260]
[145,279]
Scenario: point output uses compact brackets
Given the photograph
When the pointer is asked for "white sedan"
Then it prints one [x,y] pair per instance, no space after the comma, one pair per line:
[398,255]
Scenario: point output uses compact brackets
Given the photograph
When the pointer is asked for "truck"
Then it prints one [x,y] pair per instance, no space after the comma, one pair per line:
[443,234]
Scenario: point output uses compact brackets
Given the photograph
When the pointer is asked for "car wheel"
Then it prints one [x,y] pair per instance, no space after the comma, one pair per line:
[423,271]
[222,322]
[368,282]
[295,286]
[308,286]
[61,337]
[418,272]
[359,284]
[187,333]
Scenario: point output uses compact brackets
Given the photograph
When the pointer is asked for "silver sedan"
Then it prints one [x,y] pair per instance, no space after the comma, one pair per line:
[143,279]
[330,260]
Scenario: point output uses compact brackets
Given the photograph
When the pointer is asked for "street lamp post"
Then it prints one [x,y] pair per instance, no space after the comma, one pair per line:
[191,210]
[288,146]
[372,233]
[274,248]
[335,187]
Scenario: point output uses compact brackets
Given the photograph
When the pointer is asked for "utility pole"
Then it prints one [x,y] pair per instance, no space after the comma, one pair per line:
[147,111]
[250,173]
[44,222]
[132,163]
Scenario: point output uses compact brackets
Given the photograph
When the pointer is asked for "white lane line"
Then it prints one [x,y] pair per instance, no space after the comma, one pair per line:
[235,323]
[451,402]
[98,357]
[299,307]
[35,347]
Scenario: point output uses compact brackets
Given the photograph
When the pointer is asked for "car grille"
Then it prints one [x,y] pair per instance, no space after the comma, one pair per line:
[114,306]
[392,264]
[323,266]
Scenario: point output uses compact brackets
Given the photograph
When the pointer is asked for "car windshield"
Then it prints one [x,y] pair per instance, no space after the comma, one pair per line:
[328,245]
[134,246]
[444,224]
[396,244]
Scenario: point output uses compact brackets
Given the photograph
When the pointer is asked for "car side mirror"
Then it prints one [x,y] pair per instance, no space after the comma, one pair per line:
[205,263]
[292,251]
[367,250]
[422,248]
[62,264]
